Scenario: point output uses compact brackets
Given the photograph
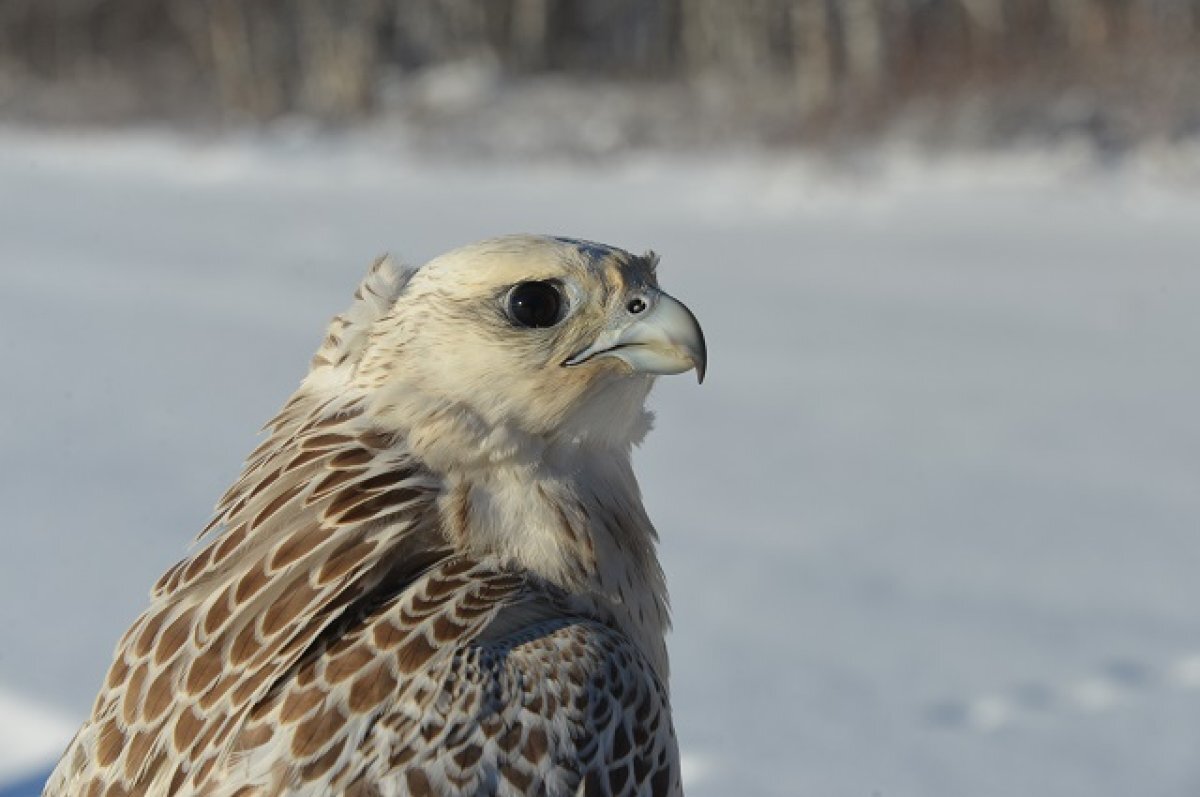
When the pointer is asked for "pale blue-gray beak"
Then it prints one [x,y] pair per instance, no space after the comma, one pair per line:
[656,334]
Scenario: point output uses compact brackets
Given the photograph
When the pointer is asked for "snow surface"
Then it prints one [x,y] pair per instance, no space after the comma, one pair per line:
[30,735]
[930,525]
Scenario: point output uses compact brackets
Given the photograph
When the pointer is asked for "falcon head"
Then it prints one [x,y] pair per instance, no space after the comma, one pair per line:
[520,343]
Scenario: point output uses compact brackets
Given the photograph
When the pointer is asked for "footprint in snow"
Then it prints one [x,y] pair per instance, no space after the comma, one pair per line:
[1116,683]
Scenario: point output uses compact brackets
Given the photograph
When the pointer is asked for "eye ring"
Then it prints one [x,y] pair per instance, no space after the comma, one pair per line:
[636,305]
[536,304]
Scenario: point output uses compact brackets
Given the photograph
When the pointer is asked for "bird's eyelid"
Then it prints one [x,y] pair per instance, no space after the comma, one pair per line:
[506,291]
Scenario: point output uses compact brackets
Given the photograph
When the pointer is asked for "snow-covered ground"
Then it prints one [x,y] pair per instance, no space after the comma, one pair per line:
[930,525]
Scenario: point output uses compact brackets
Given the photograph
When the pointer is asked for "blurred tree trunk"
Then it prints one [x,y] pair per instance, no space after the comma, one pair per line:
[338,56]
[530,31]
[1084,23]
[814,60]
[716,35]
[241,86]
[863,44]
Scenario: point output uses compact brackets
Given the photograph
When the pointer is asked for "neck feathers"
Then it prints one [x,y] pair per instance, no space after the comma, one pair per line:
[582,528]
[332,491]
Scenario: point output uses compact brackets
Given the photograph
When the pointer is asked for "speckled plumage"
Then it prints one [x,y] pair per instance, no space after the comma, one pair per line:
[419,585]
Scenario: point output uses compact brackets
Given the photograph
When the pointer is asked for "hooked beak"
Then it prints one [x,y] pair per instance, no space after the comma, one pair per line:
[664,338]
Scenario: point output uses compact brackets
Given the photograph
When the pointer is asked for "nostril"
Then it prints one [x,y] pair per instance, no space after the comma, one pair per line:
[636,306]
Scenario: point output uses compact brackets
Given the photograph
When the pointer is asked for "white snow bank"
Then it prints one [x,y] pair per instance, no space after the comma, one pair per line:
[32,736]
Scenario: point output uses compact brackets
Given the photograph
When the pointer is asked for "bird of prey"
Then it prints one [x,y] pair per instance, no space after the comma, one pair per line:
[435,576]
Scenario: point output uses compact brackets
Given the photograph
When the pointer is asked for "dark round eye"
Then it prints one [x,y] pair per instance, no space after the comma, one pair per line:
[636,306]
[535,304]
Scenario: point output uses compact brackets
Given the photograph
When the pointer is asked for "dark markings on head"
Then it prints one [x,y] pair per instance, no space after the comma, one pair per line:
[591,249]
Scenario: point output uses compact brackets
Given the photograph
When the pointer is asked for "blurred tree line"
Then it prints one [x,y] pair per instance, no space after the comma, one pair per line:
[259,59]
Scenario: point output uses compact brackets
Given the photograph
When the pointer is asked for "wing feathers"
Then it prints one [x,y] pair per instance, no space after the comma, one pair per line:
[289,550]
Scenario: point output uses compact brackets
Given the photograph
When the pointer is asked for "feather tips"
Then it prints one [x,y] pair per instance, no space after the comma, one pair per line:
[347,331]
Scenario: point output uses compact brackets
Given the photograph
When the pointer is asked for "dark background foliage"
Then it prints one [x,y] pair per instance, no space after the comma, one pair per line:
[1117,69]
